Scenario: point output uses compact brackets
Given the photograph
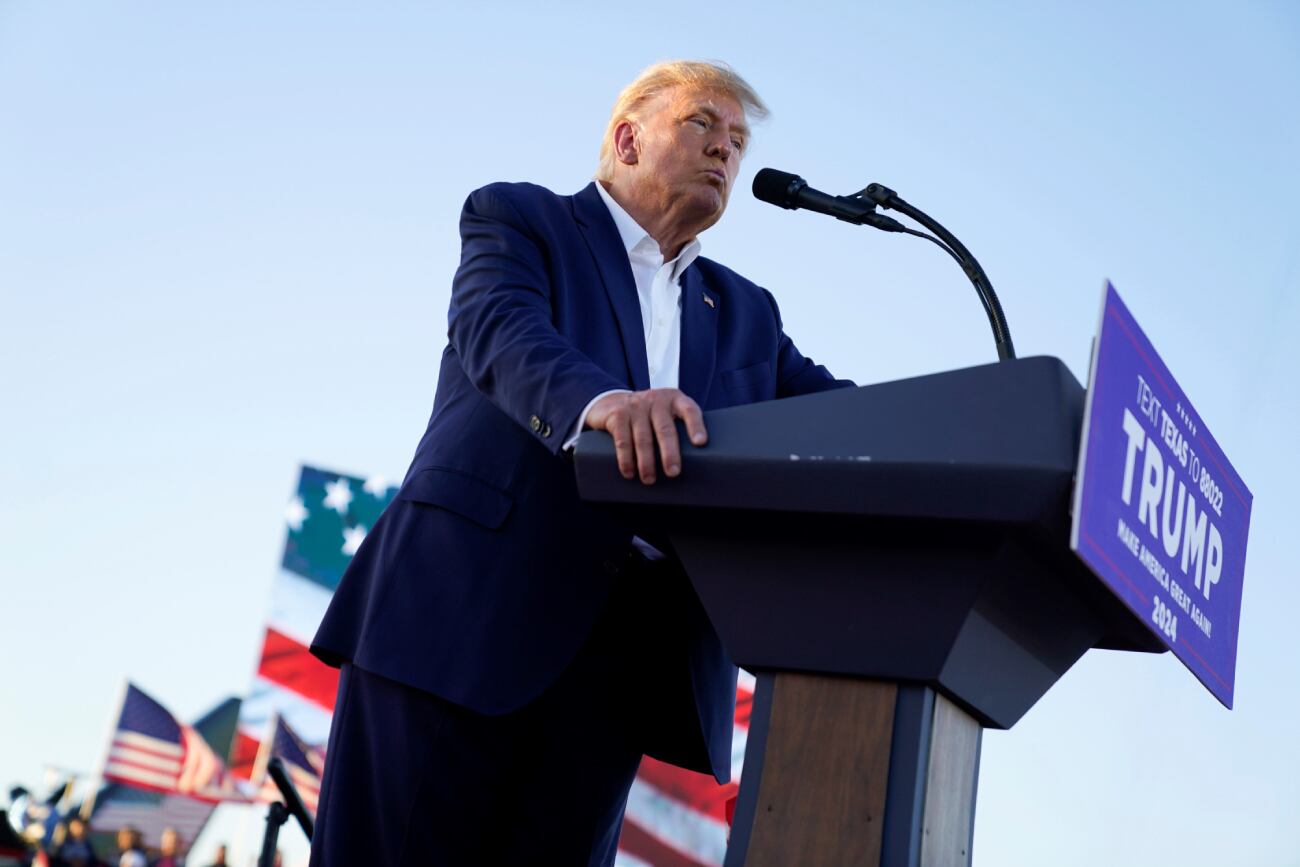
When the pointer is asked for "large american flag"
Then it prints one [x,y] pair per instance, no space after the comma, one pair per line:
[675,818]
[152,750]
[326,520]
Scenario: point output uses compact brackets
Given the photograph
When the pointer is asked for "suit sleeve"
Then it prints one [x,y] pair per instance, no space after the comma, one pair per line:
[795,372]
[500,324]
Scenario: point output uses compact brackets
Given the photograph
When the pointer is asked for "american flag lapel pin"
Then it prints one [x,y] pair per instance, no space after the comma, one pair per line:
[709,301]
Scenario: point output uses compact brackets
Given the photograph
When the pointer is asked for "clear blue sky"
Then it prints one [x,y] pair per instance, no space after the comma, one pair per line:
[227,232]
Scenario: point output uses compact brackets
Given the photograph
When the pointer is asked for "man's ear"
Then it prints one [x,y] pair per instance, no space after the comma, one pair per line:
[626,148]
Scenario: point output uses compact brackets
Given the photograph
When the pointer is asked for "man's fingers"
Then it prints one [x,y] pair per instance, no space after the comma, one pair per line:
[644,423]
[670,451]
[689,412]
[644,441]
[619,428]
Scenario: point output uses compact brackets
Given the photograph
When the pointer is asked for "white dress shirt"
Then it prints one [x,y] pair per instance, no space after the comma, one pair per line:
[659,291]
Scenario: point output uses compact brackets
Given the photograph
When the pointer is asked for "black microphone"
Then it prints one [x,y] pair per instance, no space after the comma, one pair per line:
[791,192]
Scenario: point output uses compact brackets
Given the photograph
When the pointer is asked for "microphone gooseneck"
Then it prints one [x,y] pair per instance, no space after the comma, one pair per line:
[786,190]
[887,198]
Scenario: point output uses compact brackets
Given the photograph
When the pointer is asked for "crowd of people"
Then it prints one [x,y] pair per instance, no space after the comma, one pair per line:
[50,832]
[74,848]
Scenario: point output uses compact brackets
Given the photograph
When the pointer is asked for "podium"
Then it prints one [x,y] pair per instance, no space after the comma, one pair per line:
[892,564]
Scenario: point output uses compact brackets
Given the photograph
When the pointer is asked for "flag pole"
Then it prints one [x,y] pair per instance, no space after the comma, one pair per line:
[88,805]
[256,780]
[257,777]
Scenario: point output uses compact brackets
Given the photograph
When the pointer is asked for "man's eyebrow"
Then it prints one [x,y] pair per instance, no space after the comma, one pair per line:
[740,126]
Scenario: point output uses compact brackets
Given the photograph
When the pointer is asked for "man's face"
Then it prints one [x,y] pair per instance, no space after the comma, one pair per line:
[689,149]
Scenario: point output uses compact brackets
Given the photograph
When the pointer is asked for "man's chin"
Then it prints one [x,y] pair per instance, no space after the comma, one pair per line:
[709,205]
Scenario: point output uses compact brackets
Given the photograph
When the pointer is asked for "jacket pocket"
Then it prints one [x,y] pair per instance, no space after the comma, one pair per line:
[457,492]
[750,383]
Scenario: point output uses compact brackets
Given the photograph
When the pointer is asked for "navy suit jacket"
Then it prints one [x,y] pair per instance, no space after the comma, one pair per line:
[485,575]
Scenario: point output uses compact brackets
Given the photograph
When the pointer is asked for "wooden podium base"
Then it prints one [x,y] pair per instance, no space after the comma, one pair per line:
[843,771]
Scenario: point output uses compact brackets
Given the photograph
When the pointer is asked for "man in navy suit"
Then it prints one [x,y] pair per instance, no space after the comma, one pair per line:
[508,652]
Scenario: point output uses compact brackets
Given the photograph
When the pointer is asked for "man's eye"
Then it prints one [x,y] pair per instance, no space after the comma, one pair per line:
[703,124]
[738,144]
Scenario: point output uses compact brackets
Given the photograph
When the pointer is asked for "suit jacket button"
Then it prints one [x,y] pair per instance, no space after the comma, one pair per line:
[536,423]
[546,430]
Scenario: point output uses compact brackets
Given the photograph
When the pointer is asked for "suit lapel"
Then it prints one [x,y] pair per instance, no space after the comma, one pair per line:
[699,336]
[602,238]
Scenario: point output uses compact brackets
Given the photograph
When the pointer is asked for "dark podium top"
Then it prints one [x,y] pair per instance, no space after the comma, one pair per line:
[914,531]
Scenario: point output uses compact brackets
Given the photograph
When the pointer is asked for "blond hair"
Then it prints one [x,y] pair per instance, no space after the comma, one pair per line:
[695,75]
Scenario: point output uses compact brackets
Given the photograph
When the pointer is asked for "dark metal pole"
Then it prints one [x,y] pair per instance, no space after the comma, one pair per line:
[279,813]
[276,816]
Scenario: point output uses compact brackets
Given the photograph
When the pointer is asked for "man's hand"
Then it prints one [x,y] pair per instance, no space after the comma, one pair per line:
[637,419]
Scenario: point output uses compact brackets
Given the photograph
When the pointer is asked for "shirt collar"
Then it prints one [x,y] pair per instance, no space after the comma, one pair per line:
[637,241]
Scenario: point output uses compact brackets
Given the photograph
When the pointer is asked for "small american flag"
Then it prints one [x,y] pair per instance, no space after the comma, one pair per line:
[304,763]
[152,750]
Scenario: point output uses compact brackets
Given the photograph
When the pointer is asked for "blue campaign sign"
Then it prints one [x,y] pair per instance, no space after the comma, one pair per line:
[1160,515]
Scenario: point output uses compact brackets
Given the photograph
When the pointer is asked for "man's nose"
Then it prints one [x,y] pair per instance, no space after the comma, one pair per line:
[721,147]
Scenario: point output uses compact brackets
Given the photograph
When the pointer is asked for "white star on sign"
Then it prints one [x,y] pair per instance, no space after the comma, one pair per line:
[338,496]
[295,513]
[352,538]
[376,486]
